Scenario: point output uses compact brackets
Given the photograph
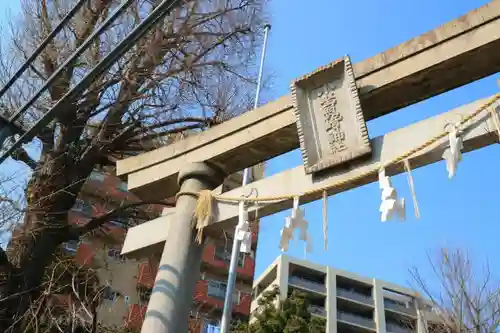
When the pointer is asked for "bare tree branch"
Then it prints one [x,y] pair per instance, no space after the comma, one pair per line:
[99,221]
[467,301]
[194,69]
[21,155]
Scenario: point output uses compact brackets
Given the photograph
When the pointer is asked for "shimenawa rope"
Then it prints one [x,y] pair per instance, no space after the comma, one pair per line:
[204,207]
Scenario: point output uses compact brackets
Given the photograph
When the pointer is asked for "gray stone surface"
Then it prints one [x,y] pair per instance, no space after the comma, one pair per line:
[330,122]
[171,298]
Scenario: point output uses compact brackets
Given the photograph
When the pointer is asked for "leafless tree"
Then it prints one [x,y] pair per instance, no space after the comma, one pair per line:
[465,299]
[192,71]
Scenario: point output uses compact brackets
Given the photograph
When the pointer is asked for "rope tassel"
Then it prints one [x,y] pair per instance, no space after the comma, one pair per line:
[203,213]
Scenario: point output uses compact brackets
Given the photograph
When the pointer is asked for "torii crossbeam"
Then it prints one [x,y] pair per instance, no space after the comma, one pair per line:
[452,55]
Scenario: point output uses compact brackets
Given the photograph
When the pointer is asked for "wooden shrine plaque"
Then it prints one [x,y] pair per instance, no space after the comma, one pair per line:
[330,122]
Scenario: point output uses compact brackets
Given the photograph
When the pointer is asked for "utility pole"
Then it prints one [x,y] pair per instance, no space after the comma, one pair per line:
[235,252]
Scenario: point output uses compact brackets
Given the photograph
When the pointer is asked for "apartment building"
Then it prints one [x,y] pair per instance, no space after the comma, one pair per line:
[127,283]
[350,303]
[101,250]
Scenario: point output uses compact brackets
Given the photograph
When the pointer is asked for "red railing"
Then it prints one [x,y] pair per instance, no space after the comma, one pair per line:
[243,306]
[77,218]
[254,237]
[84,255]
[147,275]
[108,188]
[195,325]
[135,316]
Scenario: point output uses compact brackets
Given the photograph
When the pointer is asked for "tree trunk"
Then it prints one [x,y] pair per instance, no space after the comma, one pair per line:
[24,289]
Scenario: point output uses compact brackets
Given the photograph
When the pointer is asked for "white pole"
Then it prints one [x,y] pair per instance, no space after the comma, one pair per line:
[231,279]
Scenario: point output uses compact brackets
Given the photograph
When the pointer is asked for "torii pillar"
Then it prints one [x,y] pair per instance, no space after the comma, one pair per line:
[179,267]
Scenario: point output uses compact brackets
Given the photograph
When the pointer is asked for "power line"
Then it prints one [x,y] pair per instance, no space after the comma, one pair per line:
[158,13]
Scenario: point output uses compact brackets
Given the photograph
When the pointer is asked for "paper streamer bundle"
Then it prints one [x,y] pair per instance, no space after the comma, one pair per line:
[453,154]
[411,184]
[325,220]
[496,119]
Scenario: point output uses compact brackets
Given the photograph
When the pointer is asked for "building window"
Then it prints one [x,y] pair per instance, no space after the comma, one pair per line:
[211,325]
[394,302]
[83,207]
[144,295]
[97,176]
[122,186]
[118,223]
[221,253]
[115,254]
[217,289]
[211,321]
[71,246]
[255,292]
[109,294]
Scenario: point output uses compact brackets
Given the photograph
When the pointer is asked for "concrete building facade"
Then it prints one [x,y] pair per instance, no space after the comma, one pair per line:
[350,303]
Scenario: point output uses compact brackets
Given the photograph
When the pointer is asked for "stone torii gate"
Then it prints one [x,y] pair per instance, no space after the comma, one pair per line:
[325,117]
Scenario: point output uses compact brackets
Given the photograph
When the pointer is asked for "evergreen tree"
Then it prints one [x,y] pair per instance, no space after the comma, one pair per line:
[289,316]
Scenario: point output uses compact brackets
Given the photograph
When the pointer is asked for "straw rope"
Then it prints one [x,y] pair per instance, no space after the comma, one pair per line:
[202,210]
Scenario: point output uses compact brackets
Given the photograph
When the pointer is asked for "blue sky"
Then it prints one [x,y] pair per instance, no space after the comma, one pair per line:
[458,213]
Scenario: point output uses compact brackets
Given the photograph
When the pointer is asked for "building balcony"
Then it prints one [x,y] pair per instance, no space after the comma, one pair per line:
[77,218]
[216,258]
[243,306]
[307,284]
[255,236]
[107,186]
[62,301]
[135,316]
[111,231]
[195,325]
[84,255]
[146,275]
[354,296]
[404,309]
[352,319]
[394,328]
[214,297]
[317,310]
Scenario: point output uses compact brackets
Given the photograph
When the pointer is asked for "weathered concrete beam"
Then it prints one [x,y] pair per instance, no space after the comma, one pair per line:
[150,236]
[454,54]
